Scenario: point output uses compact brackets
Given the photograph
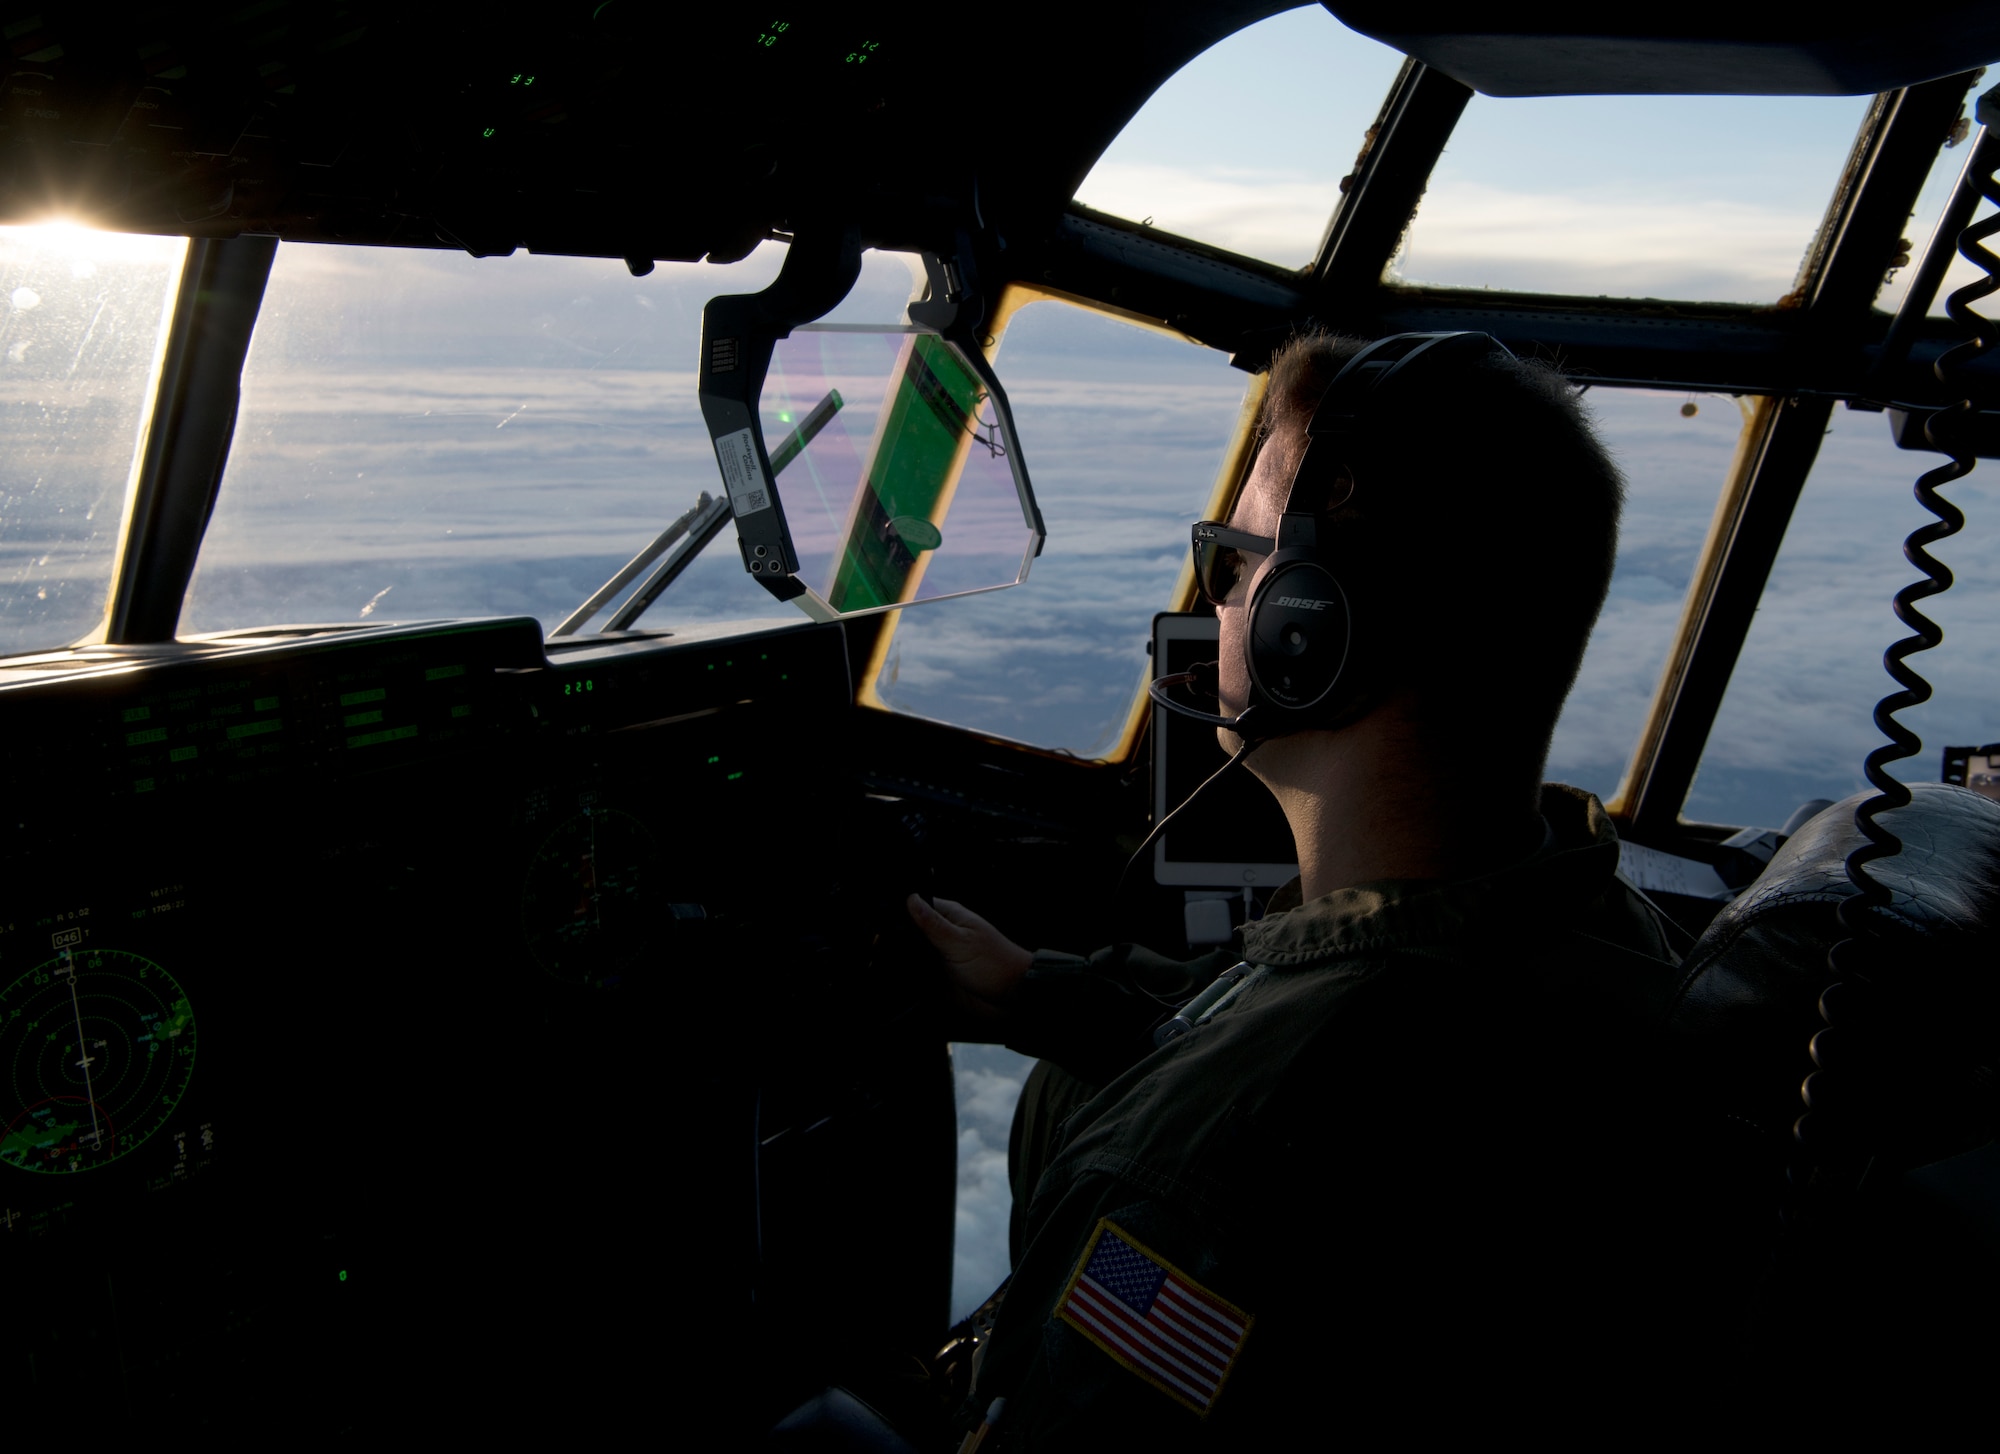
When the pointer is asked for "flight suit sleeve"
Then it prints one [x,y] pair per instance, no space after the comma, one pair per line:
[1094,1016]
[1119,1330]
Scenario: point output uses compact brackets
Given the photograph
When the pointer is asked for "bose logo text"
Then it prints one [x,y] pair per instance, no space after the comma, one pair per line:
[1299,601]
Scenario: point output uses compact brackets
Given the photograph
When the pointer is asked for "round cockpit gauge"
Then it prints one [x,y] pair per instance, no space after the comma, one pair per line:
[588,907]
[96,1050]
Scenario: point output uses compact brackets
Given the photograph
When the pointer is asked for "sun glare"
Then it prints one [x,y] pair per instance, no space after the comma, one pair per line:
[84,248]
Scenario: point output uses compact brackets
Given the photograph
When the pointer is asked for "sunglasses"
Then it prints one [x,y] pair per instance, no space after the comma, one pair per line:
[1219,557]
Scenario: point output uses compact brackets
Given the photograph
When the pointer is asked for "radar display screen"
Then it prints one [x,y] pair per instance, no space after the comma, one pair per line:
[96,1049]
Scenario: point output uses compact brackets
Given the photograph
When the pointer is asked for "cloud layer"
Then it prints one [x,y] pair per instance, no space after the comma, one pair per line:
[989,1079]
[1469,233]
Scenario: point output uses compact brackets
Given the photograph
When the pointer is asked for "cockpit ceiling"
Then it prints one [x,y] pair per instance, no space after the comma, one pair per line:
[626,128]
[621,128]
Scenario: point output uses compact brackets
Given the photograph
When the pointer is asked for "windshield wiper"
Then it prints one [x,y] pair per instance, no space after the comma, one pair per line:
[688,536]
[692,531]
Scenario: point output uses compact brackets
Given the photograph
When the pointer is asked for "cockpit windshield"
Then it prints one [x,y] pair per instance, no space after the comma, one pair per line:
[82,318]
[426,434]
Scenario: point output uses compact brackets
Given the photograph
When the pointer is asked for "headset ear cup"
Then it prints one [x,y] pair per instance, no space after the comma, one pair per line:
[1299,639]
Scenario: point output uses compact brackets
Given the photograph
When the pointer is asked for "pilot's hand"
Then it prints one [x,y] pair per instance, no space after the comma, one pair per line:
[986,967]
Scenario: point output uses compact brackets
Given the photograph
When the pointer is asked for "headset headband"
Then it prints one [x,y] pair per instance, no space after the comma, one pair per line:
[1345,408]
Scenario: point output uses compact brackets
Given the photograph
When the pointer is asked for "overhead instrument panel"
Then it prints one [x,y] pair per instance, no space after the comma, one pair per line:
[591,131]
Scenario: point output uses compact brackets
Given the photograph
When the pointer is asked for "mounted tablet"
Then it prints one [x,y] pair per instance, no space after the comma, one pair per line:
[879,465]
[1236,835]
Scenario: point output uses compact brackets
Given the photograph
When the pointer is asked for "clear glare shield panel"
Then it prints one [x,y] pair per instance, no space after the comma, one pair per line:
[896,466]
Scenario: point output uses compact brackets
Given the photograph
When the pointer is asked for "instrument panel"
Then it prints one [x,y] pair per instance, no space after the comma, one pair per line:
[360,1004]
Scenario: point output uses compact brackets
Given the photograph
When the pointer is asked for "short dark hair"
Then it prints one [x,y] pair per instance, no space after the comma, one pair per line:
[1489,496]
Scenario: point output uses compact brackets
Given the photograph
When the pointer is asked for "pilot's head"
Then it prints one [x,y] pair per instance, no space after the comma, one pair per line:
[1476,542]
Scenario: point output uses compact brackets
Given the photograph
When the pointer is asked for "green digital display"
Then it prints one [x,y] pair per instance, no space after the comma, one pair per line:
[391,734]
[198,733]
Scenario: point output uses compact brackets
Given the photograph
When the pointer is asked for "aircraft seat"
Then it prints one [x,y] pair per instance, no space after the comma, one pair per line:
[1894,1271]
[1747,1003]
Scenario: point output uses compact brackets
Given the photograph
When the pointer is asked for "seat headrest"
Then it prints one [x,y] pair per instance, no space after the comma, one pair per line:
[1747,1002]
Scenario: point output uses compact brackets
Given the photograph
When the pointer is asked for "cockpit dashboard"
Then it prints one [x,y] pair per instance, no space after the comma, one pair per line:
[381,1004]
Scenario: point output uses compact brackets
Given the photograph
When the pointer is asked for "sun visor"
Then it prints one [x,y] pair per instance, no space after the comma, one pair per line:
[869,466]
[1755,48]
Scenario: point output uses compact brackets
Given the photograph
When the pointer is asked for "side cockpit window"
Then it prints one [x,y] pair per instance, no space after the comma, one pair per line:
[1706,198]
[1126,429]
[1797,719]
[1675,451]
[1921,231]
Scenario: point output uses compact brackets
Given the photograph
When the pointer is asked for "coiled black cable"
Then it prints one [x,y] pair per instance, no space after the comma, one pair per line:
[1842,1159]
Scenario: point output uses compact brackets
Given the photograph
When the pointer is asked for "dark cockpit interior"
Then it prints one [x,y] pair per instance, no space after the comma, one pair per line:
[499,1011]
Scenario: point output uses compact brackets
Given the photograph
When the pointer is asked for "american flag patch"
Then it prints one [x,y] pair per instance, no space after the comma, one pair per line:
[1153,1318]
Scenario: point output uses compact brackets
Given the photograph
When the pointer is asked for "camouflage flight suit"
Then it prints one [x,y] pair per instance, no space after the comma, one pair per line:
[1388,1179]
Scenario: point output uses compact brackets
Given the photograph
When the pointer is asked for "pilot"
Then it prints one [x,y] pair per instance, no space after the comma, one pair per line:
[1389,1172]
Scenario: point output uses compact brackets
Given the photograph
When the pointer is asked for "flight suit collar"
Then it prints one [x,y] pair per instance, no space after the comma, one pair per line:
[1576,863]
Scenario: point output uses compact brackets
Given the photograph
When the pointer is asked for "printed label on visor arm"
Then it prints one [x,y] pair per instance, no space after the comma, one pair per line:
[748,492]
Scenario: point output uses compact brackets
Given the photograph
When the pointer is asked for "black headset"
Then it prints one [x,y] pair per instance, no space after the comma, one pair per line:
[1316,637]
